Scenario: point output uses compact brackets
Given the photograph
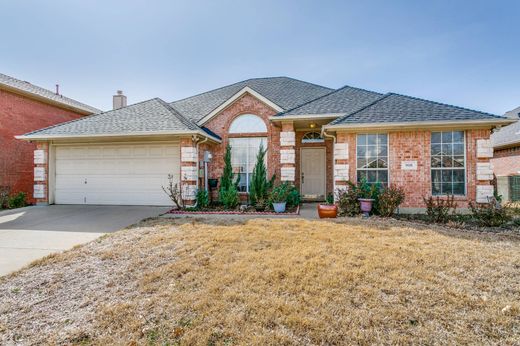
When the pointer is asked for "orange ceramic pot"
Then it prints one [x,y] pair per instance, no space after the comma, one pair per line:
[327,211]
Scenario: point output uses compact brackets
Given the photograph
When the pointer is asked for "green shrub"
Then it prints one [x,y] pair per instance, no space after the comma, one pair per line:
[259,186]
[202,199]
[17,201]
[439,209]
[229,198]
[279,193]
[348,203]
[228,191]
[388,200]
[293,197]
[330,199]
[490,214]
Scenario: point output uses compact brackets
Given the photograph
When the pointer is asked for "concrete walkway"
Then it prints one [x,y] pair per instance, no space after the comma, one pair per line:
[27,234]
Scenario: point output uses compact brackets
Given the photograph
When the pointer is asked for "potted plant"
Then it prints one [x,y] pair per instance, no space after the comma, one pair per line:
[329,209]
[278,197]
[367,195]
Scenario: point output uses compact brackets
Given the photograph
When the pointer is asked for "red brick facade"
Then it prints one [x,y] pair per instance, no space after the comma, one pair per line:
[415,146]
[506,161]
[18,115]
[246,104]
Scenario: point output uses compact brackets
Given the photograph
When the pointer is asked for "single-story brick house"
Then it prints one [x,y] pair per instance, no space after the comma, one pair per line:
[26,107]
[506,159]
[317,138]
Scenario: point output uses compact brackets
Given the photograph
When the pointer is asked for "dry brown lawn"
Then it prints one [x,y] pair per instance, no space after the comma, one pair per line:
[264,282]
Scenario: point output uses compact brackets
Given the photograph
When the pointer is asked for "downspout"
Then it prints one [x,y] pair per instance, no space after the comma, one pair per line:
[198,161]
[324,132]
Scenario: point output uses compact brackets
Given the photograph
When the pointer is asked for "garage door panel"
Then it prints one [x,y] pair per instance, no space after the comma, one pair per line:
[115,174]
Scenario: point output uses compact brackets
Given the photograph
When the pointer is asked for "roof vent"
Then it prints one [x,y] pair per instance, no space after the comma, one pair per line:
[119,100]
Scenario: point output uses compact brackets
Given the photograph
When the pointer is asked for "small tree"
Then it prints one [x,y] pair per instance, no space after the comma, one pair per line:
[259,186]
[228,192]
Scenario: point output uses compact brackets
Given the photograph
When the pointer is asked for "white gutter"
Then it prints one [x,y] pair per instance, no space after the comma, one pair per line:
[119,134]
[414,124]
[305,116]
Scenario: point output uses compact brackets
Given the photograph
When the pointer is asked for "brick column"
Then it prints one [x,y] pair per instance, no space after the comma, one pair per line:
[189,173]
[482,168]
[41,173]
[287,152]
[344,160]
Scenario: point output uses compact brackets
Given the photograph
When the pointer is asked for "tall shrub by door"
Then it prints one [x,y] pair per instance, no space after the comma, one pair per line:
[228,193]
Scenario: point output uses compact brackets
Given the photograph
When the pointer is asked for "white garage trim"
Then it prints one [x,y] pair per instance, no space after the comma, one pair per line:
[112,173]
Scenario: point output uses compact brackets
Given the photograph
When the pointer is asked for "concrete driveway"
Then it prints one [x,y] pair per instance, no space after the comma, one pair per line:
[30,233]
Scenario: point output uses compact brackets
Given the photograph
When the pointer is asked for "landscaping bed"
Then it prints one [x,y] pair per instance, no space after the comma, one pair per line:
[245,211]
[229,281]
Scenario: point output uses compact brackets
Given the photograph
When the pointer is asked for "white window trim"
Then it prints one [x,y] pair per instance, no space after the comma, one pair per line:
[238,118]
[318,140]
[247,158]
[388,155]
[465,166]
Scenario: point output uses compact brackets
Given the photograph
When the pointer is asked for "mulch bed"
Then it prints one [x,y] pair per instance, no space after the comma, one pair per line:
[232,212]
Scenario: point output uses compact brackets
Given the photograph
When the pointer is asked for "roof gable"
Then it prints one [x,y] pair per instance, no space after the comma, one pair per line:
[396,108]
[44,94]
[148,117]
[284,92]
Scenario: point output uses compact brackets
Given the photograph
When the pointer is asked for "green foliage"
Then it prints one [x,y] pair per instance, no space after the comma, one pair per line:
[348,203]
[229,198]
[490,214]
[228,192]
[279,193]
[439,209]
[388,200]
[366,190]
[259,186]
[17,201]
[202,199]
[330,199]
[293,197]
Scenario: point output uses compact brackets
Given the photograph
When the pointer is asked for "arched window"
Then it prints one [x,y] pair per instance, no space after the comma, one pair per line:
[312,137]
[247,123]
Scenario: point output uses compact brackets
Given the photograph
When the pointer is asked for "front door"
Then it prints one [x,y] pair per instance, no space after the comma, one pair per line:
[313,168]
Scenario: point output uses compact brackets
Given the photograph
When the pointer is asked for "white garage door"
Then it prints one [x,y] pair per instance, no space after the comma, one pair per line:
[119,174]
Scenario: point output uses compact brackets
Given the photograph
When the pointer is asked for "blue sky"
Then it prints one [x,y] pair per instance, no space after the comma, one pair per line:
[465,53]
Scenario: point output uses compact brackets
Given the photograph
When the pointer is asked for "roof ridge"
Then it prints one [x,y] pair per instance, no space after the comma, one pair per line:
[88,116]
[177,114]
[345,116]
[327,94]
[83,105]
[246,80]
[446,104]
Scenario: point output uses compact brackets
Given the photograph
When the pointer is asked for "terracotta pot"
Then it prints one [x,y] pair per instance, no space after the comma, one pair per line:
[327,211]
[366,205]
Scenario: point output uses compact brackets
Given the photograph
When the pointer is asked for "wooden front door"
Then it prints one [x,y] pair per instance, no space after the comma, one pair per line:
[312,171]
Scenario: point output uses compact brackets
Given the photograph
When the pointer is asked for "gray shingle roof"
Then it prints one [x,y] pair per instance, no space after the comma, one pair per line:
[345,100]
[47,94]
[150,116]
[400,108]
[283,91]
[508,135]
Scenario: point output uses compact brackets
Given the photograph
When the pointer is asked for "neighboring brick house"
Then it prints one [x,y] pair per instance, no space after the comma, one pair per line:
[506,159]
[26,107]
[317,138]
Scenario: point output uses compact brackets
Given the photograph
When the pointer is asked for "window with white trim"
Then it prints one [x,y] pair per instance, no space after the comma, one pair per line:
[243,158]
[448,166]
[312,137]
[372,158]
[247,123]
